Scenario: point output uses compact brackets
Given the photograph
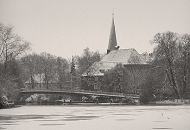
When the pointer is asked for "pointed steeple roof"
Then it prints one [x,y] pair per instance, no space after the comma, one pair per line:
[112,39]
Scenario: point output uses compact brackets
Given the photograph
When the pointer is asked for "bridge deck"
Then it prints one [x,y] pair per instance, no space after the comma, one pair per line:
[80,92]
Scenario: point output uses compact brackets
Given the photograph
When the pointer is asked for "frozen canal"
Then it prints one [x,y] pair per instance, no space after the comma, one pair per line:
[96,118]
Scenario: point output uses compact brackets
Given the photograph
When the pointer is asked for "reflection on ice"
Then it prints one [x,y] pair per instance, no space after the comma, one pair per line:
[124,119]
[52,124]
[162,128]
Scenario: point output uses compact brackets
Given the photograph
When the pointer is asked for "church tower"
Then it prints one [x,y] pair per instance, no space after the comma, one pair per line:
[112,39]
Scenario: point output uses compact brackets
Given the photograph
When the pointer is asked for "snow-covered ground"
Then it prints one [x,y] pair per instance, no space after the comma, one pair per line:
[96,118]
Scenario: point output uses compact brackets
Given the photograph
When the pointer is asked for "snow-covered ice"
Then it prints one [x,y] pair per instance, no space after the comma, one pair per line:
[96,118]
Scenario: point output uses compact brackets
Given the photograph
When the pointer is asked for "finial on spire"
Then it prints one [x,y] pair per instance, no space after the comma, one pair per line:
[113,13]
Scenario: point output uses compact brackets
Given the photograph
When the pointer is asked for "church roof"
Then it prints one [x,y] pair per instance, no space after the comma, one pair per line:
[110,60]
[124,56]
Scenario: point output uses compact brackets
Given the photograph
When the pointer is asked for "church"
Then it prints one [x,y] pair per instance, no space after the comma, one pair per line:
[136,65]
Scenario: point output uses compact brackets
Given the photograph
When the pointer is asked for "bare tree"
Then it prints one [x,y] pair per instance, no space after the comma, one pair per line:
[11,45]
[61,68]
[167,50]
[185,60]
[87,59]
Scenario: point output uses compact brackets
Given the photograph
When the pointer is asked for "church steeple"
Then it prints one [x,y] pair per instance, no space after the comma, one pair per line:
[112,39]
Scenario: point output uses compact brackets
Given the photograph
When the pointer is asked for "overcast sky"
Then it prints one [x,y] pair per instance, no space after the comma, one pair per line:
[65,27]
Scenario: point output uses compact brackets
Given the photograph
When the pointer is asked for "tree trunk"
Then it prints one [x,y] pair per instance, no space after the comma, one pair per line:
[173,81]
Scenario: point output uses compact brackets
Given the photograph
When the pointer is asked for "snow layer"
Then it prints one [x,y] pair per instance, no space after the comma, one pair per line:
[122,56]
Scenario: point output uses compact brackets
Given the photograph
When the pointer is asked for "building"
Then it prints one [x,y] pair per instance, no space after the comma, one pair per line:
[136,64]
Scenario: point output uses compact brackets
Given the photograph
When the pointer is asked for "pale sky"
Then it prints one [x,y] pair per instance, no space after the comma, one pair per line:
[65,27]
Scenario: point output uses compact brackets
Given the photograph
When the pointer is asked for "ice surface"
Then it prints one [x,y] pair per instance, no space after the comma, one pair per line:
[96,118]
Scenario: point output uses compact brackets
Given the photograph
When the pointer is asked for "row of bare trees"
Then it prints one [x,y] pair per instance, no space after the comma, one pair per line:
[56,69]
[49,68]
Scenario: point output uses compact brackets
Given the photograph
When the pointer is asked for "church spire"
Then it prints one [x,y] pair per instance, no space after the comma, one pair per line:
[112,39]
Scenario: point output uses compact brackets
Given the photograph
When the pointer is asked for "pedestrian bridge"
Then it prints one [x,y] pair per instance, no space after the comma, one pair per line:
[78,92]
